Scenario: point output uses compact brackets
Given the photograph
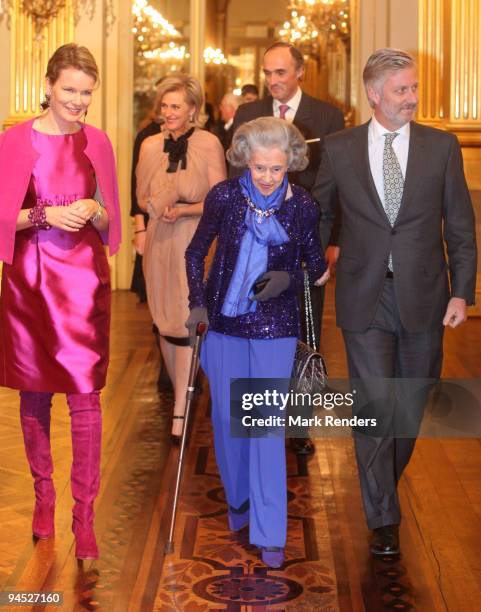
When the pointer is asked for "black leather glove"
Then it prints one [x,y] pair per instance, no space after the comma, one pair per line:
[277,282]
[197,315]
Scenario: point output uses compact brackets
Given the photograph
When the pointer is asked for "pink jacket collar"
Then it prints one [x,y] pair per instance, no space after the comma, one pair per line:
[17,160]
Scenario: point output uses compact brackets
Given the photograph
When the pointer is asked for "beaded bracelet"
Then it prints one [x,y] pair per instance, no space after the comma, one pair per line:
[98,214]
[38,217]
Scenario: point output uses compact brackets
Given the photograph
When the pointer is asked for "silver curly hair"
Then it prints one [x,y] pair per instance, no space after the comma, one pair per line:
[268,133]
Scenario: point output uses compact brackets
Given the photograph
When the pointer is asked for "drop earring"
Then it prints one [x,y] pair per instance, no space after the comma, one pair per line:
[46,103]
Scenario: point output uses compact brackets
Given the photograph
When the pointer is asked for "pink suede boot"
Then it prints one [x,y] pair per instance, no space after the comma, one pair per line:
[35,421]
[86,423]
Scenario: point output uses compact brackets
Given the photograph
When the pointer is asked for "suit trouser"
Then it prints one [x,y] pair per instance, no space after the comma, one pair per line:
[252,470]
[386,350]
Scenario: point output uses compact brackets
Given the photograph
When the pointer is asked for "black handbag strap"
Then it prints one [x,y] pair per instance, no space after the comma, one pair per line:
[310,335]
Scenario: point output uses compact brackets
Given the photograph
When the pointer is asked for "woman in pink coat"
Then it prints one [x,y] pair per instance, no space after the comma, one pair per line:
[58,205]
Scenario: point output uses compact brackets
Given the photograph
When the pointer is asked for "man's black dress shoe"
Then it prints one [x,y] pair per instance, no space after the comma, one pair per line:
[302,446]
[385,541]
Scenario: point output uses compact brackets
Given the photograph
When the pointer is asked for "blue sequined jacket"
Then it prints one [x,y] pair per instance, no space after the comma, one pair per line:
[223,218]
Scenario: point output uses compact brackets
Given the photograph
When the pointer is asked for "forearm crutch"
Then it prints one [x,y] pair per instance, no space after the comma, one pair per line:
[194,364]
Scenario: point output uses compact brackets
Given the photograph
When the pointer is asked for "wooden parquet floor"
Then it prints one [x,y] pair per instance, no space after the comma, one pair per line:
[327,568]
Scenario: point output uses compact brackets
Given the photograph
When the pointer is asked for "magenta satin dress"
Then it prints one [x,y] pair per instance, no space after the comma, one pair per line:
[55,301]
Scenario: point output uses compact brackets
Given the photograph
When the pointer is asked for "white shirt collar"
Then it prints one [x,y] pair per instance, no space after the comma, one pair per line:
[377,130]
[227,124]
[293,103]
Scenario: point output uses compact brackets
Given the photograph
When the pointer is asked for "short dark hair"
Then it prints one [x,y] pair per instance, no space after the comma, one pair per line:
[249,88]
[295,53]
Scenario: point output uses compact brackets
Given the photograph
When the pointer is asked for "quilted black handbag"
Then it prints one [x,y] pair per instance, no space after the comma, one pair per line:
[309,372]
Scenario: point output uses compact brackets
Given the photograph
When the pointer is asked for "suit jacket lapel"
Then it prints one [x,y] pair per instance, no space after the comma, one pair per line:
[359,151]
[414,168]
[303,117]
[268,110]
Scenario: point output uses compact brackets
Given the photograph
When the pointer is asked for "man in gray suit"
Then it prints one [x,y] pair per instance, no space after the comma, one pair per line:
[404,199]
[283,66]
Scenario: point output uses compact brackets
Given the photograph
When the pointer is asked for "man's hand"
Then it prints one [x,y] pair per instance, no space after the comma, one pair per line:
[332,255]
[456,312]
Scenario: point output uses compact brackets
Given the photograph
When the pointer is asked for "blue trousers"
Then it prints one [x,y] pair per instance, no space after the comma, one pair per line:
[252,469]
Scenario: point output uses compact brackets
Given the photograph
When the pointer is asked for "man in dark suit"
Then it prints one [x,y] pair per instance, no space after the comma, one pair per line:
[404,199]
[283,66]
[224,128]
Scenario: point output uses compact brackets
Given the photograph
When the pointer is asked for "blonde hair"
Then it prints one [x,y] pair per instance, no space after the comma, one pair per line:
[268,133]
[193,95]
[70,55]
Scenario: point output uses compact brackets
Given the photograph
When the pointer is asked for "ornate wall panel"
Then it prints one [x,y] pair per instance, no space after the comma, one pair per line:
[338,65]
[29,55]
[449,65]
[432,61]
[197,24]
[465,100]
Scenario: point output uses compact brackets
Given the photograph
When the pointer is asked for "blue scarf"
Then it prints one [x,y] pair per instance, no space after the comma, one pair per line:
[261,232]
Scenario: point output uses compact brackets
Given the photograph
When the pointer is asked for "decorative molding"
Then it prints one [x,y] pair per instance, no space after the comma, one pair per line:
[197,34]
[432,67]
[449,67]
[465,88]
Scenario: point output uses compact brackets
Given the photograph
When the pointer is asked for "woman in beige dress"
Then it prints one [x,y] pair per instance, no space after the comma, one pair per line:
[176,169]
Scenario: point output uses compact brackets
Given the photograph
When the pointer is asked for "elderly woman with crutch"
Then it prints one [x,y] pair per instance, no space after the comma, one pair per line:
[265,227]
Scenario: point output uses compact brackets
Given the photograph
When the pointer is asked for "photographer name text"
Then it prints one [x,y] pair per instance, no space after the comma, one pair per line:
[299,421]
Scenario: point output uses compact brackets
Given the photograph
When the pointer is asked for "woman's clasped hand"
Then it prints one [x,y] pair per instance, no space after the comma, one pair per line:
[73,217]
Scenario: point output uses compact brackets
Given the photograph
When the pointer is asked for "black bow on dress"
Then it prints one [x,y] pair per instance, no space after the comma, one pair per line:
[177,150]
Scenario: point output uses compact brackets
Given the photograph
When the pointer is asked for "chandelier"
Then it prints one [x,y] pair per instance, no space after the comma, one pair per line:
[214,56]
[168,52]
[6,9]
[153,33]
[308,18]
[157,39]
[148,22]
[43,12]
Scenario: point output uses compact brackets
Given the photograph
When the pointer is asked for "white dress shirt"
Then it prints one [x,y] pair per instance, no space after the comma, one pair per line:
[228,124]
[376,149]
[293,105]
